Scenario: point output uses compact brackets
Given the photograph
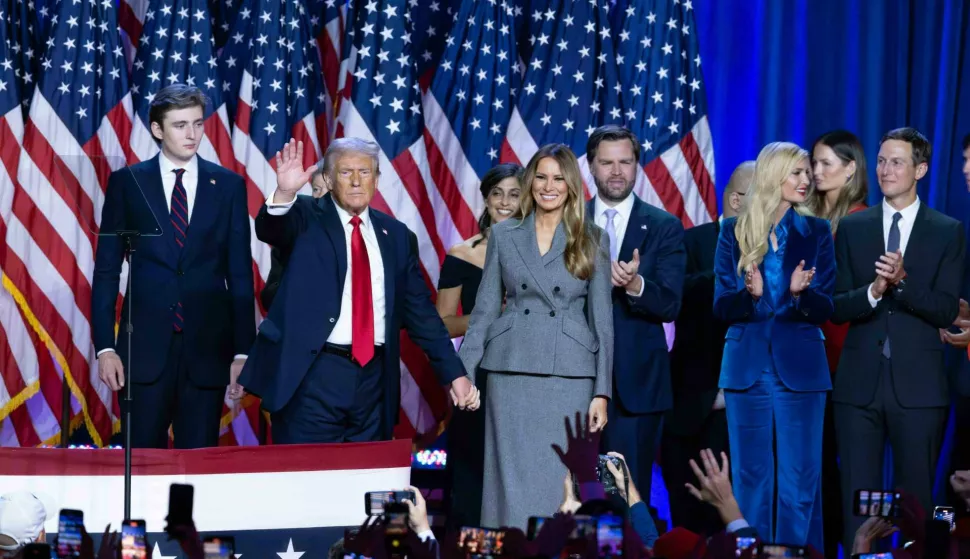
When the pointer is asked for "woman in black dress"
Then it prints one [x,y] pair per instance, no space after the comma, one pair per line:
[457,287]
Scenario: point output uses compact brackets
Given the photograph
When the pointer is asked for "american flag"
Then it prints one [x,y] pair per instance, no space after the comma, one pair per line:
[468,108]
[571,85]
[382,103]
[660,68]
[76,134]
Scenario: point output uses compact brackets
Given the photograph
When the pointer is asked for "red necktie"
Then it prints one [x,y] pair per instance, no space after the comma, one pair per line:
[362,342]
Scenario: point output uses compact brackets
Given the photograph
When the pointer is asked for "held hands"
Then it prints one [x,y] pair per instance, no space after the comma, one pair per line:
[625,274]
[290,175]
[464,394]
[753,282]
[801,279]
[111,371]
[235,390]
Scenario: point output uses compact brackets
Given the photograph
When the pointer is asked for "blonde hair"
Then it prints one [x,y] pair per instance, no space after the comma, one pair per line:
[775,163]
[581,245]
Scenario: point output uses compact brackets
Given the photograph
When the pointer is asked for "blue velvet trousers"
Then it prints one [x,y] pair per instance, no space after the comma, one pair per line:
[776,448]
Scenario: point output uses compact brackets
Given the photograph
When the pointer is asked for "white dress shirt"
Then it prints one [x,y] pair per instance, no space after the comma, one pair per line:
[343,329]
[620,222]
[190,180]
[905,230]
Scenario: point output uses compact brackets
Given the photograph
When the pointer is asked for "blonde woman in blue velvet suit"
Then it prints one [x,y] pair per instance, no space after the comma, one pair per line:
[775,275]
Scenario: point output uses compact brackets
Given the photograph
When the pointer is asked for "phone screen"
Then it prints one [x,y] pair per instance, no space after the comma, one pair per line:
[218,547]
[873,556]
[69,533]
[779,551]
[609,536]
[745,544]
[133,539]
[375,501]
[481,542]
[876,503]
[945,514]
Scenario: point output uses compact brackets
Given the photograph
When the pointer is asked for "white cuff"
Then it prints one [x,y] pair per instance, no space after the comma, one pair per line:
[240,356]
[106,350]
[642,286]
[426,535]
[872,300]
[736,525]
[273,208]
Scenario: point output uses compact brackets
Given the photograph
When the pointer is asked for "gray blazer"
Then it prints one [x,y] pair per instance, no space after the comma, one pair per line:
[553,323]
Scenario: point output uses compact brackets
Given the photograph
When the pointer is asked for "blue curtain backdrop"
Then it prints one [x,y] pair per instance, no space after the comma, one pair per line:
[790,70]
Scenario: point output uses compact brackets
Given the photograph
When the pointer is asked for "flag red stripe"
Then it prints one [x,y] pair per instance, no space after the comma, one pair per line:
[129,22]
[407,171]
[221,142]
[121,123]
[695,160]
[13,377]
[101,168]
[666,189]
[61,179]
[465,221]
[507,154]
[24,427]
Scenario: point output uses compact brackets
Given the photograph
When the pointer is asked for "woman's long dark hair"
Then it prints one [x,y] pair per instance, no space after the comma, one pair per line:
[491,179]
[847,147]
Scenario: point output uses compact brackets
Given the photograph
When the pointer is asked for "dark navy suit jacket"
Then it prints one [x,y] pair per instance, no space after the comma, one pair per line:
[212,275]
[641,365]
[788,337]
[307,305]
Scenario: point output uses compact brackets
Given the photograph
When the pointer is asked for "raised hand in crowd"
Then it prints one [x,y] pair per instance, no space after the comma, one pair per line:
[800,279]
[188,538]
[715,486]
[627,489]
[873,529]
[754,282]
[418,512]
[962,321]
[554,534]
[582,451]
[368,541]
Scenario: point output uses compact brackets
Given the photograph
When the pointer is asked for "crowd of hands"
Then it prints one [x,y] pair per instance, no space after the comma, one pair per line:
[581,458]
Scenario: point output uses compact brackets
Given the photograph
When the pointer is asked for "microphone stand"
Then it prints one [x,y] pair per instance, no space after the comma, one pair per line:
[127,237]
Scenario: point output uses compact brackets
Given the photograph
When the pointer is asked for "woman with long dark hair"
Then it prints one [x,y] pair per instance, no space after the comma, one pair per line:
[549,349]
[461,274]
[841,187]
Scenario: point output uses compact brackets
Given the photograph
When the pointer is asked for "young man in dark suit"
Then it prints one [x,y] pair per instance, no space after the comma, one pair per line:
[900,264]
[697,420]
[326,361]
[648,275]
[192,286]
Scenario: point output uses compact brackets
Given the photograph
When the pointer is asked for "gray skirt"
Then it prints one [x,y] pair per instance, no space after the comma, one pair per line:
[524,417]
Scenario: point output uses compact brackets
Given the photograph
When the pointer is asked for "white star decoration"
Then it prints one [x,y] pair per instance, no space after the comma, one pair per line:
[157,553]
[289,553]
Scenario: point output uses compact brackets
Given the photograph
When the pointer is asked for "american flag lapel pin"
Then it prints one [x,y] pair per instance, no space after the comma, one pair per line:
[384,231]
[212,181]
[644,227]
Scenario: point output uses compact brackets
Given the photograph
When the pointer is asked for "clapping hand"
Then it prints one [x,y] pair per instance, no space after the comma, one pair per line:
[626,275]
[801,279]
[753,282]
[890,267]
[290,174]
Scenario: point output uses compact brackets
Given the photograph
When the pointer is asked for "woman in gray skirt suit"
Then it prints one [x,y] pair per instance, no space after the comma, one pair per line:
[548,348]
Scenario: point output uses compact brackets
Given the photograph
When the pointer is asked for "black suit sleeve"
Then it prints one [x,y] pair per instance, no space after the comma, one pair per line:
[662,290]
[240,277]
[423,323]
[851,300]
[940,304]
[268,293]
[107,263]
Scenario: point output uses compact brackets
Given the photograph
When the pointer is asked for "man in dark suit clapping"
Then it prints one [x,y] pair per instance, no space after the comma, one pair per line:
[697,420]
[900,264]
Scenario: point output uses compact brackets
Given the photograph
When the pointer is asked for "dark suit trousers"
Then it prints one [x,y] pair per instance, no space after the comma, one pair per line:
[338,401]
[193,412]
[960,453]
[636,436]
[676,451]
[915,435]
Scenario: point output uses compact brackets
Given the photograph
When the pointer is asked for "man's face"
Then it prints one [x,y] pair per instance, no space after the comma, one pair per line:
[614,170]
[966,166]
[320,185]
[895,169]
[356,182]
[180,132]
